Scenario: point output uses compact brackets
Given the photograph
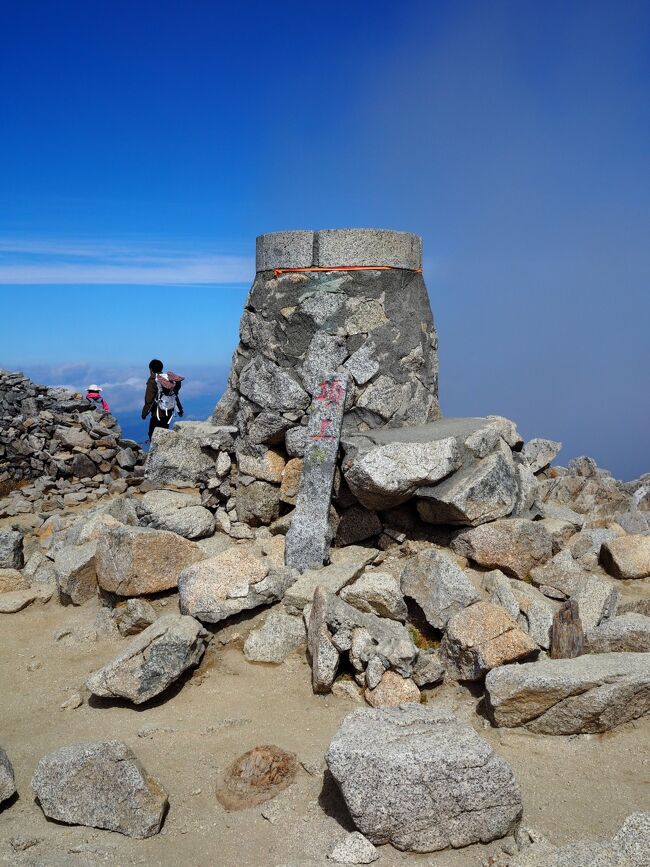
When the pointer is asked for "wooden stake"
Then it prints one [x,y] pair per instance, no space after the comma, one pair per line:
[567,638]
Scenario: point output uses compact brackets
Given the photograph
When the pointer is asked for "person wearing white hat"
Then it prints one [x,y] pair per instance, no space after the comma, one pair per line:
[94,395]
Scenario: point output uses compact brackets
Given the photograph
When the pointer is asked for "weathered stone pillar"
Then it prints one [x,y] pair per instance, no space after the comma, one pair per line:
[347,300]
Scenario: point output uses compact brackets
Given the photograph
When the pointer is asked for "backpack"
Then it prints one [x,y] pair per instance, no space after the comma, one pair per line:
[165,402]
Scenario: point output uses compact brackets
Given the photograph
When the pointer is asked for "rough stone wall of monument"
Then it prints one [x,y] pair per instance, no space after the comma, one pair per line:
[376,326]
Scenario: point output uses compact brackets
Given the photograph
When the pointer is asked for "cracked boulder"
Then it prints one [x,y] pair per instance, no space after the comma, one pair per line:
[587,694]
[479,492]
[374,643]
[131,561]
[439,586]
[152,661]
[388,475]
[422,780]
[101,785]
[235,580]
[480,638]
[186,455]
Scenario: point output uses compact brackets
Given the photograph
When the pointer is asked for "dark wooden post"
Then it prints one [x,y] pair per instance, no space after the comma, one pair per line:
[567,638]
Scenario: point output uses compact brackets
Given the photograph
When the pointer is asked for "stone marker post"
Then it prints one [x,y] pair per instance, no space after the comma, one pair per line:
[308,538]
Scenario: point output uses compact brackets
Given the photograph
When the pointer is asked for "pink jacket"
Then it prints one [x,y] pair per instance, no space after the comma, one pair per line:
[96,396]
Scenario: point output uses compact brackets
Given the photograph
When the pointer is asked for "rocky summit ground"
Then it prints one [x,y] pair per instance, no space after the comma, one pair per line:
[465,682]
[573,787]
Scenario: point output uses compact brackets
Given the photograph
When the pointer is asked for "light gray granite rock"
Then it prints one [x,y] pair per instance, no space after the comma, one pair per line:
[101,785]
[388,475]
[376,593]
[597,598]
[151,661]
[479,492]
[347,564]
[438,585]
[384,760]
[353,849]
[186,455]
[236,580]
[624,633]
[592,693]
[276,638]
[76,572]
[538,453]
[11,549]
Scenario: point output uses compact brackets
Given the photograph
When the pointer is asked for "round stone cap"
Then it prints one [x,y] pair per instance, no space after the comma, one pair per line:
[331,248]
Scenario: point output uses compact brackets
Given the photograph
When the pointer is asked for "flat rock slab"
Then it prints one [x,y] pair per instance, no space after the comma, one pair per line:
[308,537]
[593,693]
[348,565]
[131,561]
[7,784]
[101,785]
[152,661]
[422,780]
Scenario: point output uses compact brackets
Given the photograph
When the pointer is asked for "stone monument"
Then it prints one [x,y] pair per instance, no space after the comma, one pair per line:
[341,300]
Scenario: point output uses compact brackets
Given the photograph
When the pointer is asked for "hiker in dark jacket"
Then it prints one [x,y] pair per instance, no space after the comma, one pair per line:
[161,397]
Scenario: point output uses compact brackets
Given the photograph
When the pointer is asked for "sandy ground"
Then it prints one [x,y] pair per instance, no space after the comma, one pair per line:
[577,787]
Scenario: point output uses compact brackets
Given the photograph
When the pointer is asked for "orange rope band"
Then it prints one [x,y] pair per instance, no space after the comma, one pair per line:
[279,271]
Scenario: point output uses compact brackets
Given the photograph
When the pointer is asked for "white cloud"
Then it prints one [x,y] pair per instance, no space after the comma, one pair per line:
[123,387]
[87,262]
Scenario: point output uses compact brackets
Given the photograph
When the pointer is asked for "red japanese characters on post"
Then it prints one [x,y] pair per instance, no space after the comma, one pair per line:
[331,392]
[323,434]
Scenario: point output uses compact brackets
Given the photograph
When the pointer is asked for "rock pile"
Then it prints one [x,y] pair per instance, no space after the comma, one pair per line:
[53,437]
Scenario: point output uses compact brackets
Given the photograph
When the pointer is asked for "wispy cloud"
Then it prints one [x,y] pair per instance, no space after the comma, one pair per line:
[89,261]
[123,386]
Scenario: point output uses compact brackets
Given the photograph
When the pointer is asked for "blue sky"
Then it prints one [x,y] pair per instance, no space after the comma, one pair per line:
[144,145]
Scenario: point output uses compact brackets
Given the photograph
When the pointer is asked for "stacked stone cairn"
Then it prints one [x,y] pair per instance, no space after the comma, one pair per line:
[454,552]
[56,449]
